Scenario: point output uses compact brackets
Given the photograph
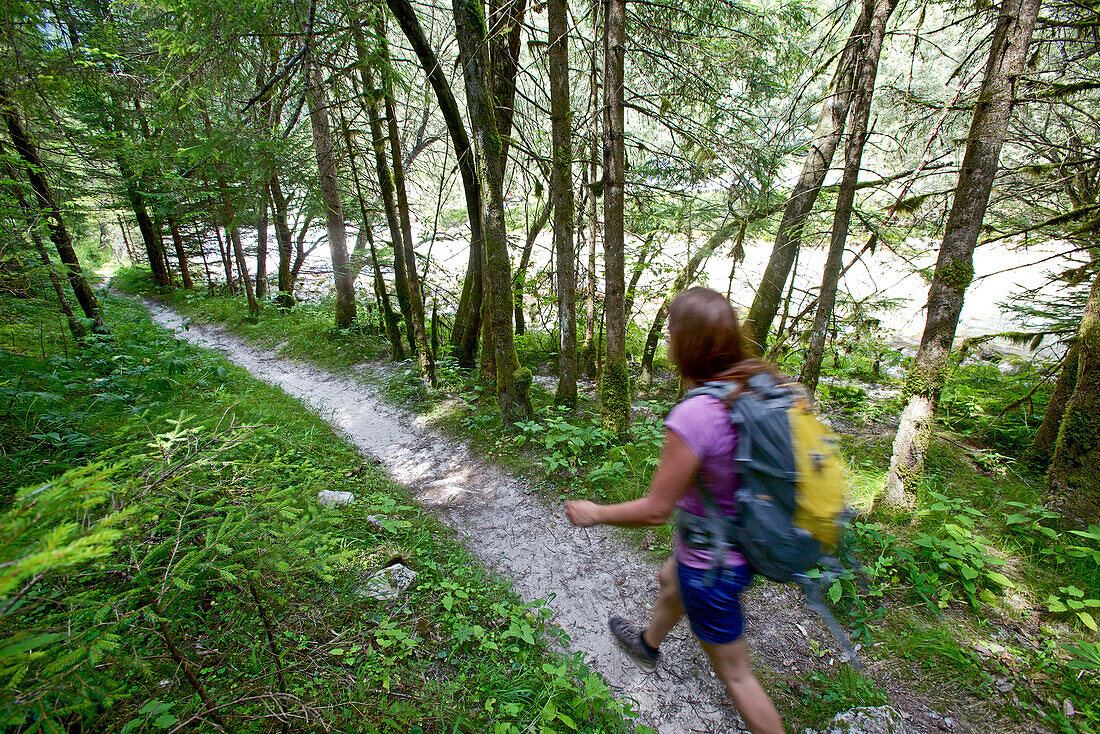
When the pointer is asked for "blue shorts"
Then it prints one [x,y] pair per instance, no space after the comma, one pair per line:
[714,611]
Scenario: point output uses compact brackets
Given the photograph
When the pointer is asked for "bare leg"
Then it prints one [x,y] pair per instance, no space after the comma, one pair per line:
[668,609]
[731,663]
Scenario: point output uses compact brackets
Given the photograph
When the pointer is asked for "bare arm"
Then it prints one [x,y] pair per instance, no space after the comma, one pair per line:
[672,478]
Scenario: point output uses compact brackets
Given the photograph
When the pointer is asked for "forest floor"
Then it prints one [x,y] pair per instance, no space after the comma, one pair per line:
[584,574]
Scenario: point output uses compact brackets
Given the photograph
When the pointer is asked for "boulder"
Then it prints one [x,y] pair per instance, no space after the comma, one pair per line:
[330,498]
[387,584]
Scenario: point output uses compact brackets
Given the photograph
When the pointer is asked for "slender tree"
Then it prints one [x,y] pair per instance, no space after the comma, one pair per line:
[330,194]
[467,324]
[615,378]
[819,158]
[955,264]
[866,70]
[35,172]
[561,199]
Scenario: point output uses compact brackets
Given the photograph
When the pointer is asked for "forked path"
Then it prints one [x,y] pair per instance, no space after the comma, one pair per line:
[584,573]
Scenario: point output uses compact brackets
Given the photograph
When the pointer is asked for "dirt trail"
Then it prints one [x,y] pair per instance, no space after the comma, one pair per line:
[584,573]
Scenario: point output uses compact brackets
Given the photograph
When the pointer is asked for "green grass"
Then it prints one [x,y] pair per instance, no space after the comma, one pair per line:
[190,484]
[977,556]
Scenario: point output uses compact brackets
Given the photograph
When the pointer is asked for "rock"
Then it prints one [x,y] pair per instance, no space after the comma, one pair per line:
[387,584]
[329,498]
[605,584]
[866,720]
[1067,708]
[896,371]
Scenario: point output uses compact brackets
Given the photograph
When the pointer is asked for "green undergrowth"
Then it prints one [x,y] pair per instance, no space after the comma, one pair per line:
[979,587]
[166,566]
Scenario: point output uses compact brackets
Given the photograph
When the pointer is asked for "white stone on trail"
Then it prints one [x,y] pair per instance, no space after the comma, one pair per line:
[867,720]
[387,584]
[330,498]
[585,574]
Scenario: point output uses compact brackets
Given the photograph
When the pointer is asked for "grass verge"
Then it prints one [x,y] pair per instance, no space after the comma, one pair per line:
[165,564]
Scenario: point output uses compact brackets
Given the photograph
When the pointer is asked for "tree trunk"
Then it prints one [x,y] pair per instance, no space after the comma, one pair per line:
[615,379]
[36,174]
[150,236]
[468,316]
[834,111]
[519,282]
[416,298]
[261,248]
[683,278]
[561,199]
[126,240]
[1073,482]
[330,197]
[389,206]
[181,255]
[1038,454]
[233,232]
[589,355]
[636,275]
[858,131]
[388,317]
[76,327]
[513,382]
[955,264]
[505,27]
[283,237]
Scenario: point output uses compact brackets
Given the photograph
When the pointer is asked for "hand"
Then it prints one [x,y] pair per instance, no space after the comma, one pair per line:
[582,513]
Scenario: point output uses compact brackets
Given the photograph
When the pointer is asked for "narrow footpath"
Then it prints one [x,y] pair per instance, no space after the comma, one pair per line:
[585,574]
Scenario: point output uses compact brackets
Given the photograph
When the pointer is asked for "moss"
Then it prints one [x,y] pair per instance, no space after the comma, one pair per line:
[925,380]
[615,396]
[957,274]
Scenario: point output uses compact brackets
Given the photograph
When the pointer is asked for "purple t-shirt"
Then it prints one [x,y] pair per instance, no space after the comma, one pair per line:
[703,424]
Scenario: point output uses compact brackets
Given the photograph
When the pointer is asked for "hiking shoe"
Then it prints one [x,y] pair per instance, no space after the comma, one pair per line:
[629,638]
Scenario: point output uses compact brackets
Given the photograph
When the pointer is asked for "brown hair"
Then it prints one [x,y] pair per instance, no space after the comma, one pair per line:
[706,341]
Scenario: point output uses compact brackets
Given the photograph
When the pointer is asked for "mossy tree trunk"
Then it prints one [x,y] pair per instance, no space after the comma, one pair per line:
[330,196]
[955,264]
[866,69]
[35,172]
[1073,482]
[1041,449]
[513,382]
[464,336]
[615,395]
[819,157]
[561,199]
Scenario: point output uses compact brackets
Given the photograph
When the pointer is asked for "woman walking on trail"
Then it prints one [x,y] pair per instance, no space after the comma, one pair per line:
[706,345]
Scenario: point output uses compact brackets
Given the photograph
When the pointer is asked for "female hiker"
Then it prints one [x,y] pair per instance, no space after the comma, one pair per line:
[705,344]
